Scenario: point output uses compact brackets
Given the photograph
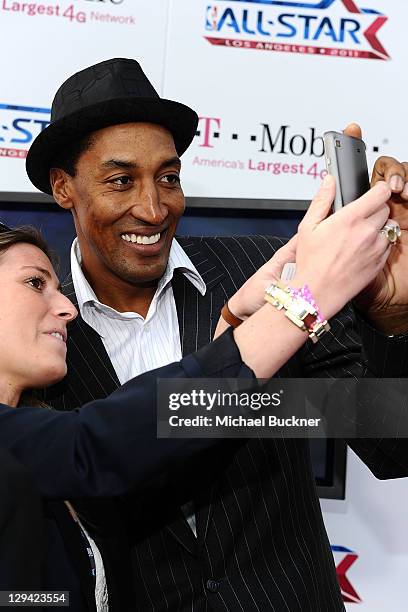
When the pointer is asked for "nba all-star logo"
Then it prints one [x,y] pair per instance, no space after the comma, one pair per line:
[334,28]
[344,559]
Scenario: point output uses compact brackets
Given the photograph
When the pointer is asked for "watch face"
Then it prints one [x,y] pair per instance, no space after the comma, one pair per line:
[298,310]
[301,308]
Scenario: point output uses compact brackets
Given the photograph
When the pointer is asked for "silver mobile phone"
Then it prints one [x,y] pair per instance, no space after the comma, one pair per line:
[346,160]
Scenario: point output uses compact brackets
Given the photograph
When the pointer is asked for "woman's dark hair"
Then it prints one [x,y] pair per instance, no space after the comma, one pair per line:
[25,233]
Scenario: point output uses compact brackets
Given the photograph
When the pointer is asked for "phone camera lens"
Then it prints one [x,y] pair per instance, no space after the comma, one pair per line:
[338,143]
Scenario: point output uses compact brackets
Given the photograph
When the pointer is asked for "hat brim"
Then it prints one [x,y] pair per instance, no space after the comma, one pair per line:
[179,119]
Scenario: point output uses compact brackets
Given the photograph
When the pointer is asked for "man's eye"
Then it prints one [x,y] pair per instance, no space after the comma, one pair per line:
[172,179]
[36,282]
[121,180]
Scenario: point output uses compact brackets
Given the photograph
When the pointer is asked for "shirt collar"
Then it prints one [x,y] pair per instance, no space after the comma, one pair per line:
[178,260]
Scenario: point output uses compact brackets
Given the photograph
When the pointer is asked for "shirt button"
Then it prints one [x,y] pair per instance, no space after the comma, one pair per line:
[213,585]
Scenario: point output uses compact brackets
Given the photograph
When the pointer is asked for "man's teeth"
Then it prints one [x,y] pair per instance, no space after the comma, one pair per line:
[141,239]
[58,335]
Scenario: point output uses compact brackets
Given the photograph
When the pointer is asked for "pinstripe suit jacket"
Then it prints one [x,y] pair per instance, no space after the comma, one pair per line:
[261,543]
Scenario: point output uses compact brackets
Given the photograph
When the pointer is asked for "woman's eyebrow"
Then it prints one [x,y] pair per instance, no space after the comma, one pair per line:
[39,269]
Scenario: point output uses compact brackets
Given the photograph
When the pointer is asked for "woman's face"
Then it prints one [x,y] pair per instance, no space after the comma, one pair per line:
[33,320]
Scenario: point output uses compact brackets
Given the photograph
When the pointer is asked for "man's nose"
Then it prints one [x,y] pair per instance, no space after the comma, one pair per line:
[148,206]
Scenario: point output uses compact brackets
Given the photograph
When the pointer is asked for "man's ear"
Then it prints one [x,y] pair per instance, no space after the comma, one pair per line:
[61,188]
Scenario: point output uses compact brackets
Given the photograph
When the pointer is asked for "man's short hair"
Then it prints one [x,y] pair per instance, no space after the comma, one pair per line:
[68,158]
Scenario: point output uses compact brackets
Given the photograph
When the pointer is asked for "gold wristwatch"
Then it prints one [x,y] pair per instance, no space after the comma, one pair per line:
[297,309]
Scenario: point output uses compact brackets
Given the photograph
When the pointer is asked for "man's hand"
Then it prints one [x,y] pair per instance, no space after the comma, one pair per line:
[385,300]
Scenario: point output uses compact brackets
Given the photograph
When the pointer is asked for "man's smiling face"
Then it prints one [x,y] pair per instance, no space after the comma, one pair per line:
[126,199]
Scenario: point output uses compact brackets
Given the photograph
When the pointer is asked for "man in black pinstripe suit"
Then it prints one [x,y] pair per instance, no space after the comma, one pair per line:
[249,534]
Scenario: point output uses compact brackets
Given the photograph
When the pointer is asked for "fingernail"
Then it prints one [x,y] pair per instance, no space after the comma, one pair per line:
[396,183]
[327,180]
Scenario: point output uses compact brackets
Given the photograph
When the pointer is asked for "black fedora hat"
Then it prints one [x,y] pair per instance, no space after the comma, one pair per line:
[112,92]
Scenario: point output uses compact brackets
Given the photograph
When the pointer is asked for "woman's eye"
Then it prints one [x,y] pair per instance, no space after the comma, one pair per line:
[36,282]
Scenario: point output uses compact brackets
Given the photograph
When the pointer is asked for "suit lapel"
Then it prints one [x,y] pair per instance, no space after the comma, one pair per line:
[180,530]
[198,316]
[91,374]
